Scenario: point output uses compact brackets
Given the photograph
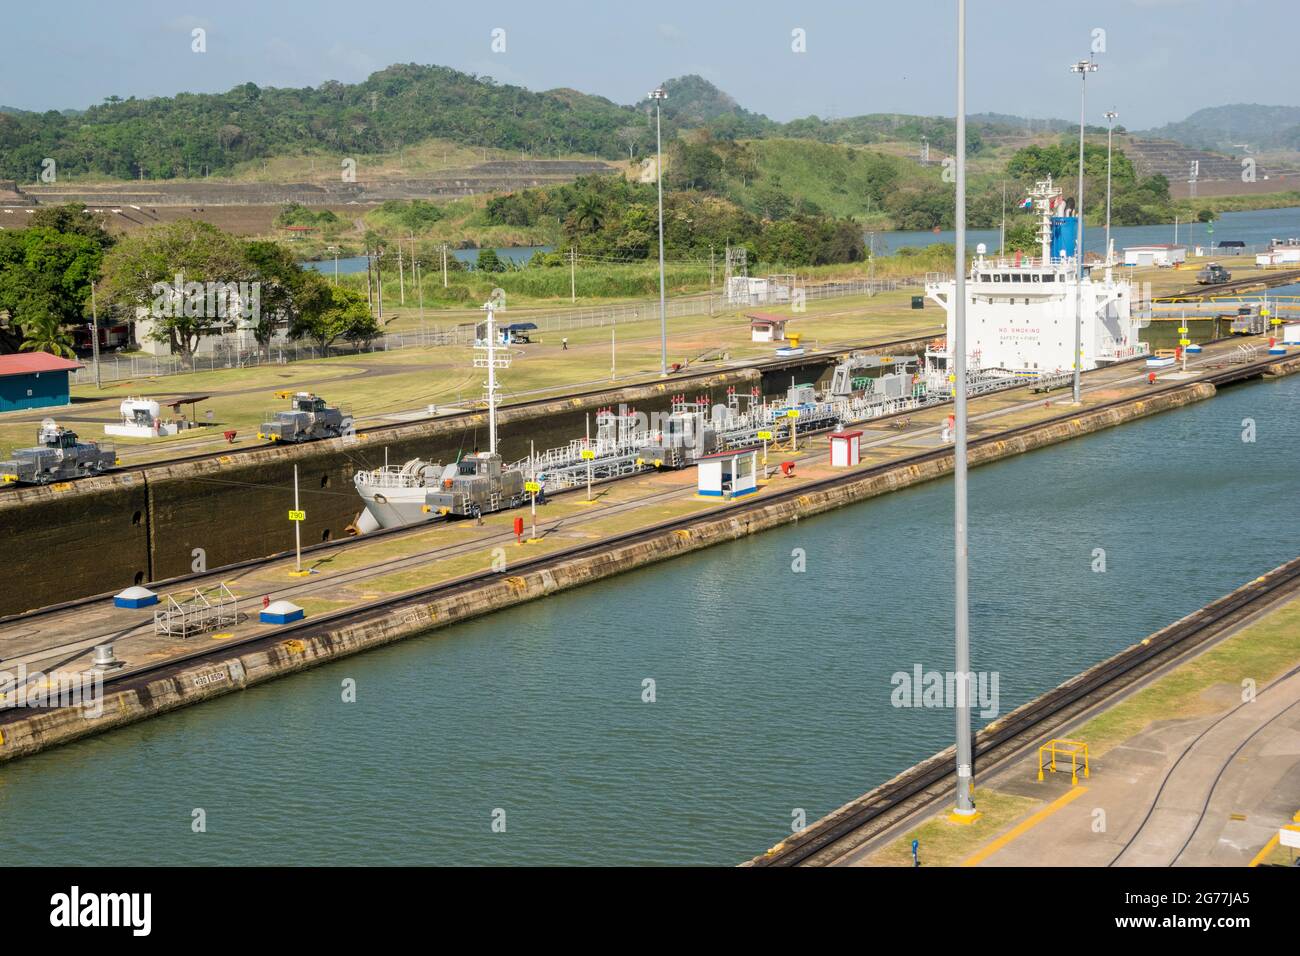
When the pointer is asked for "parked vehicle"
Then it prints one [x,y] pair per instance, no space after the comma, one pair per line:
[1213,274]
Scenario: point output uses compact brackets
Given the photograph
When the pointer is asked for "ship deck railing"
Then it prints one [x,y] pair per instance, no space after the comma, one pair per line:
[390,478]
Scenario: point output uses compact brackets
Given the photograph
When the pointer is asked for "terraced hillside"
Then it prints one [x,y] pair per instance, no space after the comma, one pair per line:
[1217,174]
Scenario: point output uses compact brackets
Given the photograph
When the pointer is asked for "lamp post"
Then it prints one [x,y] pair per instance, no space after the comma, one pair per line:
[965,809]
[659,94]
[1110,135]
[1083,68]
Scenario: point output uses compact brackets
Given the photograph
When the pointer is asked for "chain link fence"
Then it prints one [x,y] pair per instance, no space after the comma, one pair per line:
[234,351]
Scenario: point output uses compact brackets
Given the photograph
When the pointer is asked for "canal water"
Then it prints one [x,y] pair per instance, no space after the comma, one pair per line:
[772,688]
[1256,227]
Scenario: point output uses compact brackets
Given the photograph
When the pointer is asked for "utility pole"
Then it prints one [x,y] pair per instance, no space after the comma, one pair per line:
[297,525]
[379,283]
[94,331]
[612,353]
[419,285]
[401,276]
[532,468]
[370,295]
[444,265]
[1083,68]
[573,275]
[1110,135]
[965,809]
[659,94]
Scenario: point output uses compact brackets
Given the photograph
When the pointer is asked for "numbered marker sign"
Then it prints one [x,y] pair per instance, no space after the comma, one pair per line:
[588,454]
[764,436]
[792,413]
[297,516]
[1182,330]
[1184,341]
[532,486]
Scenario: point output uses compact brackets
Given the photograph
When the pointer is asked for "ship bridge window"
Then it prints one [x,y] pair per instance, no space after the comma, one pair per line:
[997,277]
[1015,277]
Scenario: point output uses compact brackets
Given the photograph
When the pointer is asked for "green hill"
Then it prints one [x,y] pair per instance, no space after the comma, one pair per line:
[1224,127]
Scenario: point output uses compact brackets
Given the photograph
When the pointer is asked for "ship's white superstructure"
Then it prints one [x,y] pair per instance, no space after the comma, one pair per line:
[1021,310]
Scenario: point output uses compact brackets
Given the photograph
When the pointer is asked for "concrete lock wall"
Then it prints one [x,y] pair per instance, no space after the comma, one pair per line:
[160,522]
[191,683]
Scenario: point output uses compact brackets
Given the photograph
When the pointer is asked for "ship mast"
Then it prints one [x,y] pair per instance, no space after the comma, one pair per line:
[491,361]
[1044,196]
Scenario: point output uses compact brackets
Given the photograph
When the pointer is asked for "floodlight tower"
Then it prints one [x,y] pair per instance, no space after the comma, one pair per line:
[659,94]
[1083,68]
[965,811]
[1111,116]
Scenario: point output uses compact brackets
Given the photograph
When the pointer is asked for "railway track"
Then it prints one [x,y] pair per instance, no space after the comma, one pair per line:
[322,623]
[1223,766]
[232,570]
[1007,739]
[1228,288]
[762,364]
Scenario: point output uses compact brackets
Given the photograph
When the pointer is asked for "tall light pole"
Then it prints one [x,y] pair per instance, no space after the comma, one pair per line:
[659,94]
[965,810]
[1110,135]
[1083,68]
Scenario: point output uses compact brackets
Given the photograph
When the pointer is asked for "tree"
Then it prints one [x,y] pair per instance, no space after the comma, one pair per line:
[72,219]
[631,135]
[329,312]
[45,281]
[489,261]
[45,333]
[281,286]
[143,270]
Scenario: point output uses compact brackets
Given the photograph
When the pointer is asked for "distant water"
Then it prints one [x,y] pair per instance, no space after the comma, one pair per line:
[772,688]
[351,264]
[1255,228]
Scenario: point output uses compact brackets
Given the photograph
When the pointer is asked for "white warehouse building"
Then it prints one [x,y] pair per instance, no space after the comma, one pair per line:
[1159,254]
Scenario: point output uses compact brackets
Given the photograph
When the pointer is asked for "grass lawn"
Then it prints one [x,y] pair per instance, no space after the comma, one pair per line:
[1260,652]
[944,843]
[373,384]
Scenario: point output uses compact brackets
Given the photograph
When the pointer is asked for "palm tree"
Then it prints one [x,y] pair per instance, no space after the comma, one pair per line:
[589,215]
[45,333]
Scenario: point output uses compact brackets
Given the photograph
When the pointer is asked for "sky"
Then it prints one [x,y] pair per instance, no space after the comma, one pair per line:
[1160,60]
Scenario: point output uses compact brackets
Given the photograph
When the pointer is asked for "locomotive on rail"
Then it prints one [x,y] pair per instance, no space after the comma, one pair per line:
[57,456]
[309,418]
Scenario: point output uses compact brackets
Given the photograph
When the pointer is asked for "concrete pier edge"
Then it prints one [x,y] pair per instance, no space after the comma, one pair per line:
[297,649]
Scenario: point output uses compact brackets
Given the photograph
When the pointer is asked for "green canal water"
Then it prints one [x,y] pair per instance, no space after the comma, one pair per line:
[772,688]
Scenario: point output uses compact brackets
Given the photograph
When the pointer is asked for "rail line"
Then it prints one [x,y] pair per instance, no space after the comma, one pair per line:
[322,623]
[761,365]
[1228,374]
[1003,741]
[1205,805]
[1236,285]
